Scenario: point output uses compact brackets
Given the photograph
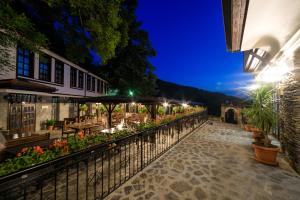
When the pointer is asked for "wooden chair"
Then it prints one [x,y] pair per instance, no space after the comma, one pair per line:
[67,131]
[59,124]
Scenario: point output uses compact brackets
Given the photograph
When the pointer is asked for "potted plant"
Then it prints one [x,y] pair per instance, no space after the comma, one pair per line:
[249,113]
[50,123]
[263,117]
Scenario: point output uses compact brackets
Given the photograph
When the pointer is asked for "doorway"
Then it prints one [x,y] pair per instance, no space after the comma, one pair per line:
[22,117]
[230,116]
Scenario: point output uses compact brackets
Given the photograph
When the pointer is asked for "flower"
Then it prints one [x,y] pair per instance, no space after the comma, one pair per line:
[38,150]
[24,150]
[58,143]
[81,134]
[19,154]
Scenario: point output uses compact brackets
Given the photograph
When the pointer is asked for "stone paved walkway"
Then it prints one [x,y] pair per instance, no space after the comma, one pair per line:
[214,162]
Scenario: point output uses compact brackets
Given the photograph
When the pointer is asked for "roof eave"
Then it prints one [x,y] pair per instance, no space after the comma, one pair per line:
[234,16]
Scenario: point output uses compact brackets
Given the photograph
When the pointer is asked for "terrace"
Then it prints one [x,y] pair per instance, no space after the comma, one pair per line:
[89,159]
[214,162]
[66,134]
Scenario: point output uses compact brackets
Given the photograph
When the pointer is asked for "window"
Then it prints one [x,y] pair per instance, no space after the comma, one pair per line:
[73,77]
[106,88]
[59,72]
[73,109]
[45,68]
[24,62]
[93,84]
[80,79]
[102,87]
[99,88]
[88,82]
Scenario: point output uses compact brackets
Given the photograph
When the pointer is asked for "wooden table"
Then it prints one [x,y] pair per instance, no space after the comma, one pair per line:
[83,127]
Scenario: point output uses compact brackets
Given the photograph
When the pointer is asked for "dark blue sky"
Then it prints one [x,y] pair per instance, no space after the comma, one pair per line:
[188,36]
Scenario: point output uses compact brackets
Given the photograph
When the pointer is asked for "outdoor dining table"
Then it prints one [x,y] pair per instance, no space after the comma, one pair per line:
[83,127]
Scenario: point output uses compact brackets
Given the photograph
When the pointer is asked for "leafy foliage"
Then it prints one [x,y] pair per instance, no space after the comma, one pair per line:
[142,109]
[83,107]
[131,70]
[120,134]
[26,158]
[101,108]
[97,24]
[50,122]
[146,125]
[261,113]
[117,109]
[16,28]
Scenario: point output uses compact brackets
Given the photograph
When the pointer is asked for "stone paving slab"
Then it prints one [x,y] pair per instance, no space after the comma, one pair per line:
[214,162]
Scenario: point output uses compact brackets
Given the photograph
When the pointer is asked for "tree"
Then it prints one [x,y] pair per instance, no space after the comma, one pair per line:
[75,28]
[91,25]
[16,28]
[131,70]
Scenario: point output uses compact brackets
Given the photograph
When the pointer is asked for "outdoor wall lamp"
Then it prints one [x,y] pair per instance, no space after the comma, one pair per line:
[273,73]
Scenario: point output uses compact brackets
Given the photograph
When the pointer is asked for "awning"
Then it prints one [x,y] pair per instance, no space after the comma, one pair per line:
[124,99]
[25,85]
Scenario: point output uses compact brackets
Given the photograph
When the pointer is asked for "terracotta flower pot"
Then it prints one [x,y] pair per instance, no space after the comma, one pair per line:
[266,155]
[247,127]
[257,134]
[50,128]
[254,129]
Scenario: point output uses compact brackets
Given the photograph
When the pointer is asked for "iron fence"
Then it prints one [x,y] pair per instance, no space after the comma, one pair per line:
[95,172]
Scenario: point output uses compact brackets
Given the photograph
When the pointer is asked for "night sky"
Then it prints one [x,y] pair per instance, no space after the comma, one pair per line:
[188,36]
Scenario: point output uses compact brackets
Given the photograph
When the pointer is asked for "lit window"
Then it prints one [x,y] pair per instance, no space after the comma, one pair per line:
[59,72]
[45,68]
[80,80]
[24,62]
[93,84]
[73,77]
[99,86]
[88,82]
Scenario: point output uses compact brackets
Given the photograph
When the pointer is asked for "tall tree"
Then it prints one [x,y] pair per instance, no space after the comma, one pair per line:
[131,71]
[75,28]
[91,25]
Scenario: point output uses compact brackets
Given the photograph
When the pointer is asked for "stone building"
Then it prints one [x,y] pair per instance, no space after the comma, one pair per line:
[268,32]
[41,86]
[231,113]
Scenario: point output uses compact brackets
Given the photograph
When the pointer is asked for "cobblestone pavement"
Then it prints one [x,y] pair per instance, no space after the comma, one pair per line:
[214,162]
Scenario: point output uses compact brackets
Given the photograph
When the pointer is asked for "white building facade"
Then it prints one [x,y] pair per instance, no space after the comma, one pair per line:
[41,86]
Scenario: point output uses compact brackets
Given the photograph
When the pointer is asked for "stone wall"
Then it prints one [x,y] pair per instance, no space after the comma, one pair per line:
[290,114]
[3,111]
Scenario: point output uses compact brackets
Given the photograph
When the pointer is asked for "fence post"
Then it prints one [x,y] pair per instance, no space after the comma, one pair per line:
[142,160]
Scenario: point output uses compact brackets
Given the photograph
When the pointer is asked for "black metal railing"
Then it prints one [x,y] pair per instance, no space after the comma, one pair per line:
[95,172]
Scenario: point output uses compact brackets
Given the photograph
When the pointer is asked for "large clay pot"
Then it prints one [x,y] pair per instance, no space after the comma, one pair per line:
[254,129]
[50,128]
[247,127]
[266,155]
